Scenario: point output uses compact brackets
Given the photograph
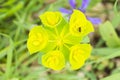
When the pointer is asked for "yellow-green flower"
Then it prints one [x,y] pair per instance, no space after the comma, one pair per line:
[79,25]
[54,60]
[37,40]
[61,42]
[51,19]
[78,54]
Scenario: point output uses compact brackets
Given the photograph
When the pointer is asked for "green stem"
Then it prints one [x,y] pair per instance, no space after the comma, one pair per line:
[17,33]
[9,64]
[9,57]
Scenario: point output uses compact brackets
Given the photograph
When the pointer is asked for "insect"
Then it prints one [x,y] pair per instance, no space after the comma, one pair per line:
[79,29]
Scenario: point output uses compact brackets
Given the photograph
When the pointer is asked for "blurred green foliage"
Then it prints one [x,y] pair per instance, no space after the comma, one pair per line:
[16,19]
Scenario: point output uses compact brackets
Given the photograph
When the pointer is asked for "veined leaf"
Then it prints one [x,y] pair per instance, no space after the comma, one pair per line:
[109,35]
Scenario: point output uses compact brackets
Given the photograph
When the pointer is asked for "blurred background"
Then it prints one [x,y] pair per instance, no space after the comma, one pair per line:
[18,16]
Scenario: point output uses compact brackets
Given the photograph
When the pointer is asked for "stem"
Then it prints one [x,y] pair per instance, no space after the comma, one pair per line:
[9,57]
[17,33]
[9,64]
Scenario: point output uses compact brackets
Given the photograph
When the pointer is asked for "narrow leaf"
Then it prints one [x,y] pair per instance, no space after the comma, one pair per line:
[112,77]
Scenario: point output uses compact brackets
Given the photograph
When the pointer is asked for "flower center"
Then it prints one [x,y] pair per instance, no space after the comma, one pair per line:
[59,42]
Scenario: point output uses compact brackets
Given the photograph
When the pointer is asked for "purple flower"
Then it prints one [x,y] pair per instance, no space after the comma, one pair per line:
[81,8]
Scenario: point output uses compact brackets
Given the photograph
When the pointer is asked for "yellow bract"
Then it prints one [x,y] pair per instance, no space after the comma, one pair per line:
[54,60]
[37,40]
[78,54]
[51,19]
[79,25]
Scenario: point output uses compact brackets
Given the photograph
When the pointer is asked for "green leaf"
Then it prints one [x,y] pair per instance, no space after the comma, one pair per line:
[112,77]
[9,53]
[109,35]
[104,51]
[9,2]
[91,75]
[104,54]
[115,7]
[12,11]
[40,57]
[111,56]
[116,70]
[116,19]
[85,39]
[3,52]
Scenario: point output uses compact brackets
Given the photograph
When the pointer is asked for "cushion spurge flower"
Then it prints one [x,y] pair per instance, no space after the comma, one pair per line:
[59,41]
